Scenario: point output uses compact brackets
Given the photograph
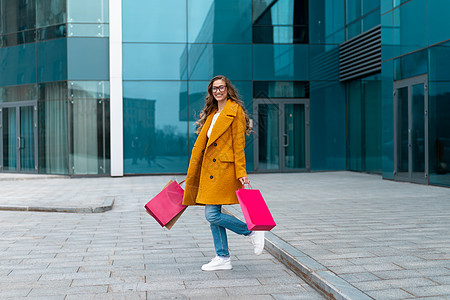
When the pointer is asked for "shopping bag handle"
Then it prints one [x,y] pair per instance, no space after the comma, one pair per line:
[181,182]
[243,185]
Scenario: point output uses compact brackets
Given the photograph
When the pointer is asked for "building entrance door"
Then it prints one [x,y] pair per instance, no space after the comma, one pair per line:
[281,140]
[18,143]
[411,130]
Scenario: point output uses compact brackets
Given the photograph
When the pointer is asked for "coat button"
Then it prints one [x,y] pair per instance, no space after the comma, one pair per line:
[215,144]
[214,160]
[211,177]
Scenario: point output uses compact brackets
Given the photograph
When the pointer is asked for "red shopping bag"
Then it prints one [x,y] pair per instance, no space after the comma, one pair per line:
[166,207]
[255,210]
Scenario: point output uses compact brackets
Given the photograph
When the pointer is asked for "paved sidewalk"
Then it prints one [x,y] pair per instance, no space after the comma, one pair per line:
[352,235]
[123,253]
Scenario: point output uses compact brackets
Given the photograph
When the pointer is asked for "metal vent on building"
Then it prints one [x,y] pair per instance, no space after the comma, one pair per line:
[361,55]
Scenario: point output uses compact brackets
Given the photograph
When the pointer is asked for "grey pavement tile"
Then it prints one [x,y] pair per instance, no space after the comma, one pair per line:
[359,277]
[428,291]
[15,292]
[297,296]
[109,296]
[265,289]
[68,291]
[444,280]
[195,284]
[389,294]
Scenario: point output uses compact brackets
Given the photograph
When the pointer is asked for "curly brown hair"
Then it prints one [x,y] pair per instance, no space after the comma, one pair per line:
[211,103]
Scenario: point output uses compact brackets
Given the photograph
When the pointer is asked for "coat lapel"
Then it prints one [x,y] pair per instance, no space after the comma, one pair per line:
[224,121]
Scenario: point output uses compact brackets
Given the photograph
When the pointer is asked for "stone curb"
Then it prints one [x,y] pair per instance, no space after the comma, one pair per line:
[315,274]
[108,204]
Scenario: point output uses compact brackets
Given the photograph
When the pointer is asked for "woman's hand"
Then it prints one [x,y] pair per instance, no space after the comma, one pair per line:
[244,180]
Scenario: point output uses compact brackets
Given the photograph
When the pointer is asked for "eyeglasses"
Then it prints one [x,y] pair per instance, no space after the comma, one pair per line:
[218,88]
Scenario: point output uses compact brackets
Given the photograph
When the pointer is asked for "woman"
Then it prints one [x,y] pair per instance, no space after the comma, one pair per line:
[217,168]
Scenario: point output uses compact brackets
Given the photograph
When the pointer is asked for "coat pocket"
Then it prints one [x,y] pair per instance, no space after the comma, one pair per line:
[226,157]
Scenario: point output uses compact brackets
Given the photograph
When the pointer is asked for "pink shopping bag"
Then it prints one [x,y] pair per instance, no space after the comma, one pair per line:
[255,210]
[167,207]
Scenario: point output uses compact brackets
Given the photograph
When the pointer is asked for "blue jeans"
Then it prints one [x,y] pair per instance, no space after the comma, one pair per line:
[219,222]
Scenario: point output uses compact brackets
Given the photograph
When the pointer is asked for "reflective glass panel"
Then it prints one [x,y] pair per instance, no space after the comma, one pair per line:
[280,62]
[327,21]
[387,119]
[418,131]
[410,27]
[353,10]
[53,128]
[402,130]
[327,109]
[18,65]
[154,61]
[439,62]
[52,60]
[9,137]
[88,124]
[216,21]
[439,23]
[387,49]
[155,127]
[369,5]
[370,21]
[92,30]
[294,136]
[88,58]
[268,137]
[26,147]
[18,93]
[385,6]
[280,89]
[439,133]
[208,60]
[17,15]
[140,18]
[324,62]
[51,12]
[411,65]
[87,11]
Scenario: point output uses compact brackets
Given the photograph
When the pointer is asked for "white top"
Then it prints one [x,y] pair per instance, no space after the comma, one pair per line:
[216,115]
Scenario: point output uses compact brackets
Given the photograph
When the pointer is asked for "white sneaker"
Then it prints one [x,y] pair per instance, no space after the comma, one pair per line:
[218,263]
[257,238]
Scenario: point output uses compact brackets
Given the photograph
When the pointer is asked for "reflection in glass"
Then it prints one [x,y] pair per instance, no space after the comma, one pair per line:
[154,61]
[216,21]
[51,12]
[402,130]
[9,138]
[52,128]
[294,143]
[418,131]
[26,140]
[411,65]
[155,134]
[268,136]
[281,89]
[327,22]
[90,30]
[25,92]
[439,133]
[87,11]
[17,15]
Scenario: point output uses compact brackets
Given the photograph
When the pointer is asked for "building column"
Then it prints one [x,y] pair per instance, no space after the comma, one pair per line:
[115,83]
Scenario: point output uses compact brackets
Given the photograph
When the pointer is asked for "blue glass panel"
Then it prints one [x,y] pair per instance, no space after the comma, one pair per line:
[88,58]
[18,65]
[438,133]
[387,119]
[369,5]
[219,21]
[155,131]
[410,27]
[154,21]
[354,29]
[280,62]
[51,12]
[371,20]
[386,5]
[52,60]
[410,65]
[353,10]
[154,61]
[438,21]
[387,31]
[208,60]
[87,11]
[197,94]
[324,62]
[327,21]
[440,62]
[327,126]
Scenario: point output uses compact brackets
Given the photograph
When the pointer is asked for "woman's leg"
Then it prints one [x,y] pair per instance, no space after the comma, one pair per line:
[218,232]
[215,216]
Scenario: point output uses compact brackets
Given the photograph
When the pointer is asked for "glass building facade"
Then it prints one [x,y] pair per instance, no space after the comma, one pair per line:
[359,85]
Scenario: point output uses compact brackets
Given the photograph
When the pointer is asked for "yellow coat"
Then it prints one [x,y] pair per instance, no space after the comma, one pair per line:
[217,163]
